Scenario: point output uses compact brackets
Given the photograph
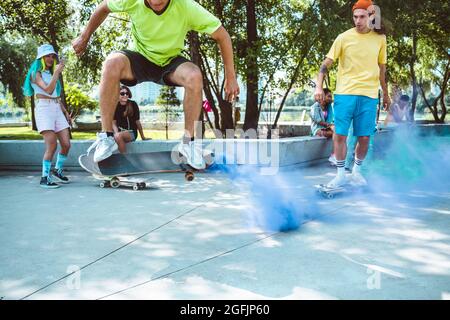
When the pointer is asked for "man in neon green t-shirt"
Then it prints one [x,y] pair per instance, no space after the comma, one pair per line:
[159,29]
[362,67]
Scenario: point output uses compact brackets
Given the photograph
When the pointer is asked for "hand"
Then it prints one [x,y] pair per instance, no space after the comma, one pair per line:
[59,67]
[386,101]
[79,45]
[318,94]
[231,89]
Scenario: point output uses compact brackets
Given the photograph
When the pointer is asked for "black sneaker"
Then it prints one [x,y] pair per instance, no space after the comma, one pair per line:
[47,183]
[59,176]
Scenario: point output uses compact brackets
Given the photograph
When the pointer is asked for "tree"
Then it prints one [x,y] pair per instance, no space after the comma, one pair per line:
[311,29]
[168,99]
[77,100]
[45,20]
[420,34]
[252,71]
[113,34]
[16,57]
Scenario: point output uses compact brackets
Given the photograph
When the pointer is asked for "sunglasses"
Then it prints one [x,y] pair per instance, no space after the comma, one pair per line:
[124,93]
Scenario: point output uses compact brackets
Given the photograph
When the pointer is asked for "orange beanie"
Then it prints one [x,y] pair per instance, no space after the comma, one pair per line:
[362,4]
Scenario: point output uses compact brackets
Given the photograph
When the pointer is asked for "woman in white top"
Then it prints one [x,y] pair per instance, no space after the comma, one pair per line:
[52,118]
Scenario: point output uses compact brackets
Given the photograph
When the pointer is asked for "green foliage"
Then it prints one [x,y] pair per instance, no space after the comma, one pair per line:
[46,20]
[77,100]
[168,100]
[300,98]
[113,34]
[167,97]
[17,55]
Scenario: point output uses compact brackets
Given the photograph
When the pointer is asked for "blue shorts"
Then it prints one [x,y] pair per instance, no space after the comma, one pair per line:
[361,109]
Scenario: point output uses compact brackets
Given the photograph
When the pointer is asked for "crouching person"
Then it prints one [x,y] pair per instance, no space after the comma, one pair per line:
[322,119]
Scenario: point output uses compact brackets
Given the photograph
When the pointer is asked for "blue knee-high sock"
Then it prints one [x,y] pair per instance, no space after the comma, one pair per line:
[46,165]
[60,162]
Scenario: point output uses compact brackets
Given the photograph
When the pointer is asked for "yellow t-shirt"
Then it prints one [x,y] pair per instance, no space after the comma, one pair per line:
[359,55]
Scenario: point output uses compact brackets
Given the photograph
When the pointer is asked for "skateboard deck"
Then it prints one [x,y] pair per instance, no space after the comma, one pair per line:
[330,193]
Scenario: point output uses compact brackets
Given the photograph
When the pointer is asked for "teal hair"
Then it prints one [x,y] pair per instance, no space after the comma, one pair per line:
[38,65]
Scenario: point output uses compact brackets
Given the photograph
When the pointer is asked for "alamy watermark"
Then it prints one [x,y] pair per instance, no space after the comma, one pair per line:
[73,281]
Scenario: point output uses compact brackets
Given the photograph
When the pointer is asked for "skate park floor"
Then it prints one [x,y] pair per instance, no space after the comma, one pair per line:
[193,240]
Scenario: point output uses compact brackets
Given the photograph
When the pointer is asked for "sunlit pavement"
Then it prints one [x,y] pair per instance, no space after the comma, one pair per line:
[196,240]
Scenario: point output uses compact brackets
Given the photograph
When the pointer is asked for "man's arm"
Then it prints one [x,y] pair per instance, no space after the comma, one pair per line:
[386,98]
[97,18]
[326,65]
[223,39]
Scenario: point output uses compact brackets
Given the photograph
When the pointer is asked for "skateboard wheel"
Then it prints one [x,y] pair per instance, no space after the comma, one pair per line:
[189,176]
[115,183]
[330,196]
[136,187]
[143,185]
[103,185]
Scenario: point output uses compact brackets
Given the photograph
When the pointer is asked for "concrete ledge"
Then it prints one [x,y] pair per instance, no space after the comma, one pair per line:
[27,155]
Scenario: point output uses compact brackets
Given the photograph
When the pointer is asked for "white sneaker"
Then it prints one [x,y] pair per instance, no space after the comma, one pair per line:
[193,152]
[337,182]
[358,179]
[104,147]
[332,160]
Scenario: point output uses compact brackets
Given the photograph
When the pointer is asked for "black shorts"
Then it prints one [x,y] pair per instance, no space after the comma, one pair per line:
[145,70]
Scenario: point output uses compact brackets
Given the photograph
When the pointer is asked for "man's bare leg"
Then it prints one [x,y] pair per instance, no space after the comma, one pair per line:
[340,146]
[362,147]
[190,77]
[340,150]
[116,67]
[360,154]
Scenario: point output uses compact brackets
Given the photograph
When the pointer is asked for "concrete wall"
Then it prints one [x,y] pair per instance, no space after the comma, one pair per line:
[27,155]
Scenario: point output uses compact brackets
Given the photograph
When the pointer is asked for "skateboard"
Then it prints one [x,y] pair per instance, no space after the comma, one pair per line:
[118,181]
[330,193]
[114,169]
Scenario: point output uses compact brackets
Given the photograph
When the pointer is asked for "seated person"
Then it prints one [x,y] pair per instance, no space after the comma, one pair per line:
[126,120]
[322,119]
[399,111]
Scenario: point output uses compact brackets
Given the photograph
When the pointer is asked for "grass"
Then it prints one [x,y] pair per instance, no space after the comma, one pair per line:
[25,133]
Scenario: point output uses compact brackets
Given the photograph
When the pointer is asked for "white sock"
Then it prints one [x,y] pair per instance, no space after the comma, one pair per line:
[340,171]
[357,165]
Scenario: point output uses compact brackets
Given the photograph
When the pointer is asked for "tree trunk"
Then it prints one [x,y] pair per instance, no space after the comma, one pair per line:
[305,52]
[167,123]
[444,92]
[195,58]
[251,108]
[225,120]
[412,63]
[293,79]
[33,118]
